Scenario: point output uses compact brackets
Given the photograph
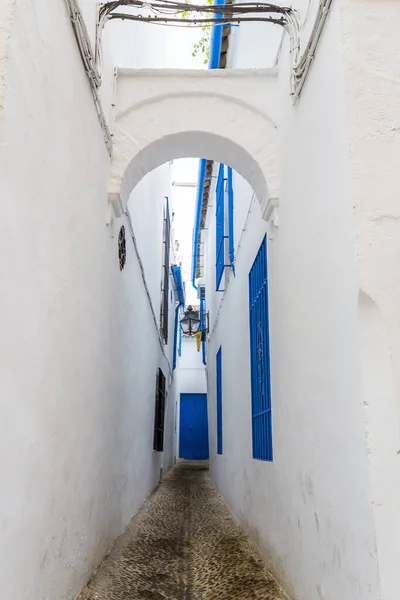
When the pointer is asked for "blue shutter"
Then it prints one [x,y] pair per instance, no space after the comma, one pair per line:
[231,222]
[220,227]
[221,234]
[219,400]
[260,357]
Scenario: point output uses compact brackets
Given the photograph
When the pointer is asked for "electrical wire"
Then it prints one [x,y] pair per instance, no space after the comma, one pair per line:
[225,21]
[90,64]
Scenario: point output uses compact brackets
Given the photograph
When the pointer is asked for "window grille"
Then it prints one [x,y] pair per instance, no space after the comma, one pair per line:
[203,322]
[260,357]
[159,413]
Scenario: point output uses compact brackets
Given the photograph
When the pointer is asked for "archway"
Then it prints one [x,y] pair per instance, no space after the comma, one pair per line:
[228,116]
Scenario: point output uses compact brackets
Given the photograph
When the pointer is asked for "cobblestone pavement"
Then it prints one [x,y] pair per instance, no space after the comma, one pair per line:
[183,544]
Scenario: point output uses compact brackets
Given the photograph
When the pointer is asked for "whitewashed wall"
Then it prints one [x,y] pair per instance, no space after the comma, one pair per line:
[320,520]
[79,350]
[192,377]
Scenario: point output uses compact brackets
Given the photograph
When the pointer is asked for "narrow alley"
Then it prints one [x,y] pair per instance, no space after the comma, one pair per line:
[200,278]
[184,543]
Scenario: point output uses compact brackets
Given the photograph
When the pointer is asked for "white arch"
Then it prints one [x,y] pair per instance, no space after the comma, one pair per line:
[227,116]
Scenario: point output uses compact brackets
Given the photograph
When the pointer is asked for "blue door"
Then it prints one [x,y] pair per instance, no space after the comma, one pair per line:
[193,427]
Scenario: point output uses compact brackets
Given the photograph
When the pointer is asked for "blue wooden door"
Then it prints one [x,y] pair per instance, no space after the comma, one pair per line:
[193,427]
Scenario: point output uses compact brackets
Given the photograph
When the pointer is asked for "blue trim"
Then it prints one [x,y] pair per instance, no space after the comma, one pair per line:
[180,289]
[260,357]
[199,205]
[231,230]
[180,342]
[219,399]
[213,63]
[175,337]
[223,231]
[220,236]
[177,273]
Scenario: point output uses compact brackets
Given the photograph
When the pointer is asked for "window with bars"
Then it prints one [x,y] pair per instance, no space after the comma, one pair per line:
[165,273]
[159,413]
[219,400]
[260,357]
[225,249]
[203,321]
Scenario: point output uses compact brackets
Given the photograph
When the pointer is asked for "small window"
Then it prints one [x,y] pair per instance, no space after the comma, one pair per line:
[225,249]
[159,413]
[122,248]
[260,357]
[219,400]
[165,274]
[203,322]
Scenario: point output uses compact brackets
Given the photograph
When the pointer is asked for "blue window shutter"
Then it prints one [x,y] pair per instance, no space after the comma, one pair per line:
[176,336]
[231,221]
[221,233]
[260,357]
[219,400]
[220,227]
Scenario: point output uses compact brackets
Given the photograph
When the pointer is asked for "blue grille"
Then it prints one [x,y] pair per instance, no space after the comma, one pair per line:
[260,357]
[219,400]
[230,221]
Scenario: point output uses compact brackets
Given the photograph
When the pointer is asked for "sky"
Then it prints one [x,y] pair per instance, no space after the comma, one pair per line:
[183,203]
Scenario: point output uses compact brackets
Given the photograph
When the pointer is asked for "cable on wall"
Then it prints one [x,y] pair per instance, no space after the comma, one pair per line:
[89,62]
[135,245]
[169,12]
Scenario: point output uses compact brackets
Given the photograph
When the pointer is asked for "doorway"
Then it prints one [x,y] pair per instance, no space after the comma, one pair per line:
[193,427]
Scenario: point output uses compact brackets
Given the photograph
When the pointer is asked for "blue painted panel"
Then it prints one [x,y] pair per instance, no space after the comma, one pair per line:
[220,236]
[230,221]
[193,427]
[260,357]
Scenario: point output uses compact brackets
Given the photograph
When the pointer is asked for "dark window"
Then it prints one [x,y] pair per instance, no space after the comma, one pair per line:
[259,357]
[122,248]
[165,274]
[203,321]
[219,400]
[158,443]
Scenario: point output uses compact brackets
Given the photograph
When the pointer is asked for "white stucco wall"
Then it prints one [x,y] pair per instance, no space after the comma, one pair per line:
[192,376]
[79,350]
[371,46]
[311,510]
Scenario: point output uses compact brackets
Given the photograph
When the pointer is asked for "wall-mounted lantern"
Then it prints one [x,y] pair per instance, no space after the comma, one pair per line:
[190,323]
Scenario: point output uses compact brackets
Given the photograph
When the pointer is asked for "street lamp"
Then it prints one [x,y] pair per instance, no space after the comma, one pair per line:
[190,323]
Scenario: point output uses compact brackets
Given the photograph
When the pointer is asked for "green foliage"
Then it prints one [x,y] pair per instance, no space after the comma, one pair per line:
[202,47]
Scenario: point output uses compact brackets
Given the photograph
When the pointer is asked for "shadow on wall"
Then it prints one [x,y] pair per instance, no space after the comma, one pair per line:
[382,438]
[375,355]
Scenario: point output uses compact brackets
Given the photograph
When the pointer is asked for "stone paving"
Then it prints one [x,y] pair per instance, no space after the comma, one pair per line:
[184,544]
